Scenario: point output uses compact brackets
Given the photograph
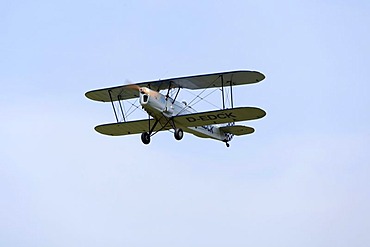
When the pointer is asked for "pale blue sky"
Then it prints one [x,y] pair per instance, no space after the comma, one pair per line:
[302,179]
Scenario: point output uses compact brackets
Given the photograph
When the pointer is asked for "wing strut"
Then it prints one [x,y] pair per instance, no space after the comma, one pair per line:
[168,91]
[114,109]
[120,106]
[222,89]
[177,93]
[230,92]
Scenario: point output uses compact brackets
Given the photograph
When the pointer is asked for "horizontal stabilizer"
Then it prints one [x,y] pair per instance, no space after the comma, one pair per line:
[237,130]
[219,116]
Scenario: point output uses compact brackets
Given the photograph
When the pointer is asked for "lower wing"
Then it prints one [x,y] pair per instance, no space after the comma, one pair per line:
[189,120]
[129,128]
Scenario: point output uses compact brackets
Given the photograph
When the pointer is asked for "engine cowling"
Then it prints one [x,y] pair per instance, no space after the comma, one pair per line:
[152,100]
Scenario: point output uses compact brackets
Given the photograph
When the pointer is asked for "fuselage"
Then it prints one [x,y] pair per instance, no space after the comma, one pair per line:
[163,108]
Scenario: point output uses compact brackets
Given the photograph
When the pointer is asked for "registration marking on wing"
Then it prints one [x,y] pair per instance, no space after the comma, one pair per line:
[210,117]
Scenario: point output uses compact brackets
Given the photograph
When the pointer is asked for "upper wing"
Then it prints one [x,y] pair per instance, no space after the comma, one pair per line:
[190,82]
[128,128]
[219,116]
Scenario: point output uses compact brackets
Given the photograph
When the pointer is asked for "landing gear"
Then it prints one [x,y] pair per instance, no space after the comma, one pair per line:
[227,144]
[179,134]
[145,138]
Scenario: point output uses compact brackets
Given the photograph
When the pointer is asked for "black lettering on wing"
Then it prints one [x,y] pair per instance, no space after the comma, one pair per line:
[203,118]
[191,119]
[230,115]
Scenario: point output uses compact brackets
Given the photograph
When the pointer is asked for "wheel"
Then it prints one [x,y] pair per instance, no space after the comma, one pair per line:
[145,138]
[179,134]
[227,144]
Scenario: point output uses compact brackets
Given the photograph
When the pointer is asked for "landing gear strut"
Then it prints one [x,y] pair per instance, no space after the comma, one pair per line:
[179,134]
[227,144]
[145,136]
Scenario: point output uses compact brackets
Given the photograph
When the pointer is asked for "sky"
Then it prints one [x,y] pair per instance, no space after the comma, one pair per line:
[302,179]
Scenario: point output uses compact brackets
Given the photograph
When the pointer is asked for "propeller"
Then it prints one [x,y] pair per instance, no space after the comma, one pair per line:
[130,85]
[133,86]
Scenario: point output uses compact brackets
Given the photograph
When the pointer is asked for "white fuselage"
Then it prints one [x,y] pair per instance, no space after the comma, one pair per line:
[158,105]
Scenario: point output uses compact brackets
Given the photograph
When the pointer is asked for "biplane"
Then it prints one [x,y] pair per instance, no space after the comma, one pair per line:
[159,100]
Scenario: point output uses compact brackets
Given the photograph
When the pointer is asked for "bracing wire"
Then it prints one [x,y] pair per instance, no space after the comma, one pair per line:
[198,96]
[204,98]
[133,108]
